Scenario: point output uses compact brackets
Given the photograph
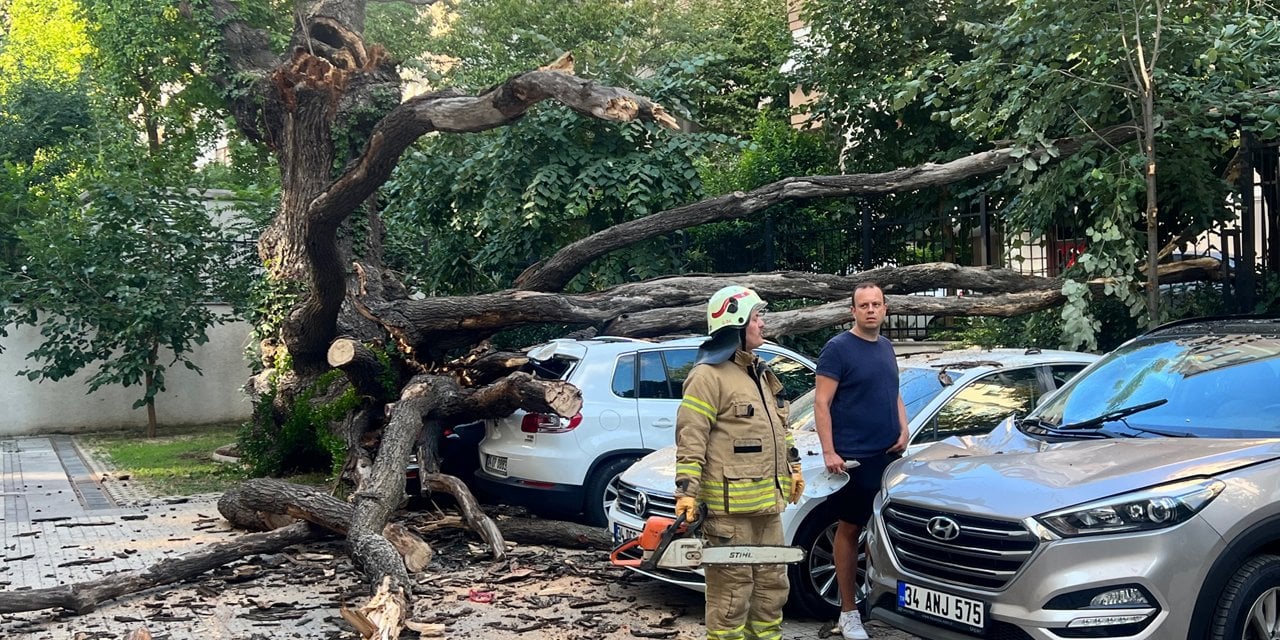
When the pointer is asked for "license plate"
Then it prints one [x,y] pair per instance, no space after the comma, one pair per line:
[622,534]
[971,613]
[496,464]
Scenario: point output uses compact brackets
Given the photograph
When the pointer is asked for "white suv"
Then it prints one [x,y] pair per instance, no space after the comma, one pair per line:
[630,392]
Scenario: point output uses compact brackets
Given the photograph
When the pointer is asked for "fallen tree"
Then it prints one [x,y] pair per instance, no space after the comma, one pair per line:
[351,309]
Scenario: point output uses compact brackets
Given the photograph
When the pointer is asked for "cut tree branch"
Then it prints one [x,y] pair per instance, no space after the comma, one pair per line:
[431,326]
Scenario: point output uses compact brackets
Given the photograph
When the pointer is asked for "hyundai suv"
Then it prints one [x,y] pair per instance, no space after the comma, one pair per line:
[1141,500]
[630,392]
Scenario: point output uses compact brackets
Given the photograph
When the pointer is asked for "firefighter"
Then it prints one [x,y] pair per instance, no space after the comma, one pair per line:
[735,455]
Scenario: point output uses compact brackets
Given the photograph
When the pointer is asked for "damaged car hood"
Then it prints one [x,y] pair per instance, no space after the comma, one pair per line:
[1007,474]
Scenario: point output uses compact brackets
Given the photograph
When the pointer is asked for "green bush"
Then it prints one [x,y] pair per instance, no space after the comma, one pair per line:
[304,441]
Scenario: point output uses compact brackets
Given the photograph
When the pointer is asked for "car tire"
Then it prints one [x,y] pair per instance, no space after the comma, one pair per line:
[1249,608]
[813,580]
[602,490]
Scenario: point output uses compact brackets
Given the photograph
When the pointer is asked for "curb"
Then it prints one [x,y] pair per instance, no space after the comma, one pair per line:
[124,493]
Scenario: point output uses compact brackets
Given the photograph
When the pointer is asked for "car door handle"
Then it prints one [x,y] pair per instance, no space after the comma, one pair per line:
[664,423]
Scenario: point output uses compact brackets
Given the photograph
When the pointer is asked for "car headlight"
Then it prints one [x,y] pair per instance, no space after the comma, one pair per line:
[1154,508]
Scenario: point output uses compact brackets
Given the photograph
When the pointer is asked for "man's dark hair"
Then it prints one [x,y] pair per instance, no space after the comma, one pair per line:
[866,285]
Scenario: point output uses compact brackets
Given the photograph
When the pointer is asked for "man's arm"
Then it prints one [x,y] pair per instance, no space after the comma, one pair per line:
[824,392]
[905,435]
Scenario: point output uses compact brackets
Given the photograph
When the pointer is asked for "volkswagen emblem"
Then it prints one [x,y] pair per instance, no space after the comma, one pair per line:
[943,528]
[642,503]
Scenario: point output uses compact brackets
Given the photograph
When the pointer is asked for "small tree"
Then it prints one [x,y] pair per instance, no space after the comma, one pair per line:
[121,281]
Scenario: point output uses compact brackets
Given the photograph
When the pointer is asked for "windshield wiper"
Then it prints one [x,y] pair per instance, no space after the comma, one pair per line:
[1161,432]
[1035,426]
[1112,416]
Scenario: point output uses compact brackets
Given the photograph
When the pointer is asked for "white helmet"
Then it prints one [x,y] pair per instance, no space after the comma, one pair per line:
[731,307]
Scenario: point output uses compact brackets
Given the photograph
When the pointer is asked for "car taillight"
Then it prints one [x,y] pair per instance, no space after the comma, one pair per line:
[548,423]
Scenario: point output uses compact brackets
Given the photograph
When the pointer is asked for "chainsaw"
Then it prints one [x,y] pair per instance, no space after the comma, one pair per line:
[667,543]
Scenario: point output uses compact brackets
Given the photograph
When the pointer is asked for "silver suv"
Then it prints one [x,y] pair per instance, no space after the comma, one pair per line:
[1142,500]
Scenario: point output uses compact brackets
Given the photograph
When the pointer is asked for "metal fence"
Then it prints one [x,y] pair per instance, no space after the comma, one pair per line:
[1248,247]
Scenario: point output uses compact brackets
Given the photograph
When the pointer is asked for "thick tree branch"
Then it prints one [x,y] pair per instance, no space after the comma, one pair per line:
[86,596]
[494,108]
[432,326]
[558,270]
[674,304]
[430,398]
[312,327]
[656,322]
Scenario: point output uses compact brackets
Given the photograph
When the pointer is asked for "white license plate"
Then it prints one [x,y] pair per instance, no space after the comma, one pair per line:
[496,464]
[621,534]
[938,604]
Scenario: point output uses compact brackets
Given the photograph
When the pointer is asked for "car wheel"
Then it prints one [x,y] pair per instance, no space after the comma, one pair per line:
[602,491]
[1250,605]
[813,580]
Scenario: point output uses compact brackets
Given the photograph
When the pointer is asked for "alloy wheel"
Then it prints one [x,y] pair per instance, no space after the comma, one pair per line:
[1263,622]
[611,492]
[821,566]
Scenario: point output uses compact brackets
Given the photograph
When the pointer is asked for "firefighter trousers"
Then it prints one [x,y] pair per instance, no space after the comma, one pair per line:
[744,602]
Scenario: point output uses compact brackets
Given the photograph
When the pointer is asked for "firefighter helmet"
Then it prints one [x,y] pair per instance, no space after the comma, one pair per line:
[731,307]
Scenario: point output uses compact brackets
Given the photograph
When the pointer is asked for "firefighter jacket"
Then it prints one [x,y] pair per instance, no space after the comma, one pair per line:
[733,448]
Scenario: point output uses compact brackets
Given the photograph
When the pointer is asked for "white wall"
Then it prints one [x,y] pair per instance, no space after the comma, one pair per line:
[63,407]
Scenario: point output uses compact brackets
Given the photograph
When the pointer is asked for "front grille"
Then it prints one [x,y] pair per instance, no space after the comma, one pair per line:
[986,553]
[642,504]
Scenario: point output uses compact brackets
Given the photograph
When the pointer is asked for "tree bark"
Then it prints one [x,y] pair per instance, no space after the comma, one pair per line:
[673,305]
[86,596]
[243,506]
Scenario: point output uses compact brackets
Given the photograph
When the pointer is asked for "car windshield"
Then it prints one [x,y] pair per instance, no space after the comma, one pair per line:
[1213,386]
[918,386]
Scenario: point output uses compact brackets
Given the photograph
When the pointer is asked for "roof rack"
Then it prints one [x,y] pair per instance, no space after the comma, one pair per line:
[1198,319]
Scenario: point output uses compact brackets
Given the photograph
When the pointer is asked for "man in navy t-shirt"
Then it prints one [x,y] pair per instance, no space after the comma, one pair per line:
[860,416]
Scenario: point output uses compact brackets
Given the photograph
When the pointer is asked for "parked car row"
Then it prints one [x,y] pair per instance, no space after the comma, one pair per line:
[947,393]
[1138,499]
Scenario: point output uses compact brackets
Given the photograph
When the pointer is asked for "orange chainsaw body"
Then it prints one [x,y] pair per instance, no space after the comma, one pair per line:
[657,531]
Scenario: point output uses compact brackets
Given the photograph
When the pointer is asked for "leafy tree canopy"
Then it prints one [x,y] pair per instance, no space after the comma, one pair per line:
[967,75]
[490,205]
[120,278]
[147,64]
[43,41]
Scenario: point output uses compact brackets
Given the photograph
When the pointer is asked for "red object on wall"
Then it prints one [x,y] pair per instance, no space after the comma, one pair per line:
[1066,252]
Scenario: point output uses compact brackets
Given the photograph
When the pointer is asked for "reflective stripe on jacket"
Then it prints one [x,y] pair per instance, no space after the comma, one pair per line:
[733,447]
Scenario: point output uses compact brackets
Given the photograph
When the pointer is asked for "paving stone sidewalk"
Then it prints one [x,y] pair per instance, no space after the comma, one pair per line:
[68,519]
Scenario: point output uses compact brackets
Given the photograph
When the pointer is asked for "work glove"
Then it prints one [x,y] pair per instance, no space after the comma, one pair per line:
[797,484]
[688,505]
